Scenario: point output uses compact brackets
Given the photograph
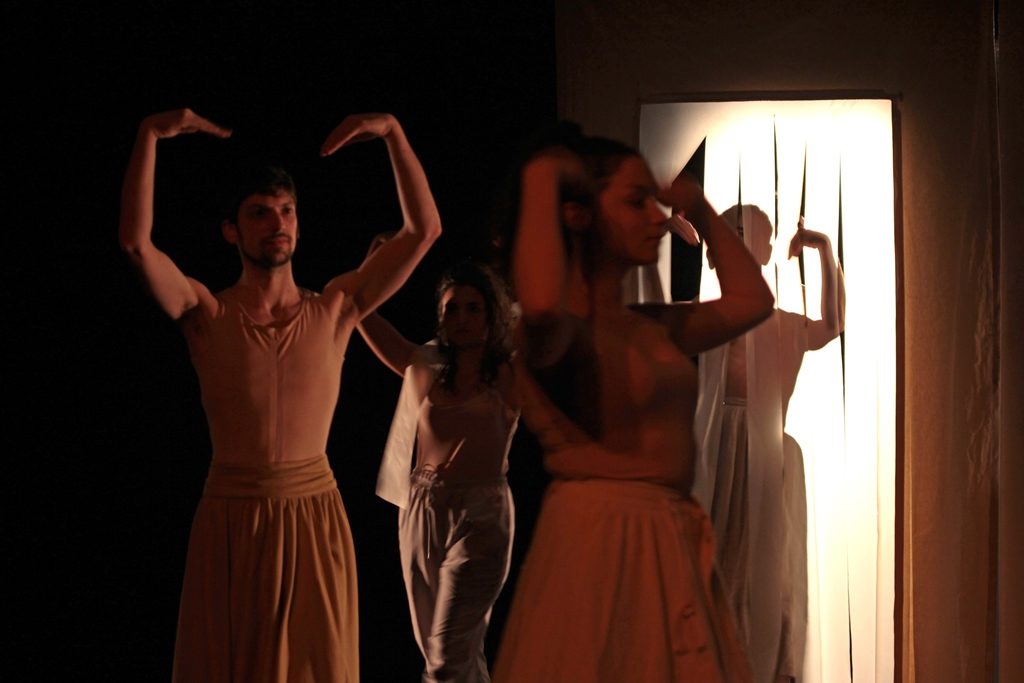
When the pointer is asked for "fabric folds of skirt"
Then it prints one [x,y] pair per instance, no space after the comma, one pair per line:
[270,579]
[619,585]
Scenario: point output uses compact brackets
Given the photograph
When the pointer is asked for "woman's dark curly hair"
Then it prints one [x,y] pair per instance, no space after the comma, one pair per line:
[498,307]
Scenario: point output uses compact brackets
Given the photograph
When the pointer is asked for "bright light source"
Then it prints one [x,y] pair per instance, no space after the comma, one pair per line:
[843,422]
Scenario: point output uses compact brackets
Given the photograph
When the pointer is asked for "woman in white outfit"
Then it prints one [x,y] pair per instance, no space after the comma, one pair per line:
[456,520]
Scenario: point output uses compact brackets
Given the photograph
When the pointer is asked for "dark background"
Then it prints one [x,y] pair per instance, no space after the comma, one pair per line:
[106,442]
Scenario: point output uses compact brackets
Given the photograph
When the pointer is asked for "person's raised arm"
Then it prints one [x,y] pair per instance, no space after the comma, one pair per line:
[387,343]
[388,267]
[174,292]
[833,289]
[538,254]
[746,299]
[540,268]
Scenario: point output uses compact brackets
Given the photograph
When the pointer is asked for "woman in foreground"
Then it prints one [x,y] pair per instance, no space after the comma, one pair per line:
[618,584]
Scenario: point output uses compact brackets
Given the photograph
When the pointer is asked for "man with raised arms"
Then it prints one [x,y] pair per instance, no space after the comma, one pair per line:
[270,579]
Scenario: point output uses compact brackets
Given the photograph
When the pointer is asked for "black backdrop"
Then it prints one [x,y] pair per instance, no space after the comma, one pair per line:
[105,439]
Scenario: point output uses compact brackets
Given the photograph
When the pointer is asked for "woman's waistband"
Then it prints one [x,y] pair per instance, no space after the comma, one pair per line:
[432,478]
[288,479]
[623,490]
[607,499]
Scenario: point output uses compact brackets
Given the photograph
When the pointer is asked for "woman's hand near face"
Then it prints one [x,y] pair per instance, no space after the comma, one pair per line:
[682,228]
[685,196]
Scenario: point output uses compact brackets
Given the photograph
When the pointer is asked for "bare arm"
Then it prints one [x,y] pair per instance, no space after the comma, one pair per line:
[538,254]
[387,269]
[539,267]
[833,289]
[746,299]
[387,343]
[174,292]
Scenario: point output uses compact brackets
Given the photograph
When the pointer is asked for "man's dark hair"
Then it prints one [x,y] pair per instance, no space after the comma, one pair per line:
[265,180]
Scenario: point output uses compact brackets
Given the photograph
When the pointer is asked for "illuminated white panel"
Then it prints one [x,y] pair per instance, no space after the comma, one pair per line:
[848,439]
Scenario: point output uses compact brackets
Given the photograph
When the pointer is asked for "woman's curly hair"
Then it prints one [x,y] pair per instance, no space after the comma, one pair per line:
[500,320]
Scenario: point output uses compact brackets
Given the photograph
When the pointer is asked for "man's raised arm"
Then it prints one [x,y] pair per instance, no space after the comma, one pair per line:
[173,291]
[384,272]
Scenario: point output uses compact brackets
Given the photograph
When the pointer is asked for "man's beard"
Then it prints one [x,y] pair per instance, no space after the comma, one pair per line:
[265,261]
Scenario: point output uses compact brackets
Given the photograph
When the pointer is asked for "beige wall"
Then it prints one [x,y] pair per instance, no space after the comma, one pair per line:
[1011,371]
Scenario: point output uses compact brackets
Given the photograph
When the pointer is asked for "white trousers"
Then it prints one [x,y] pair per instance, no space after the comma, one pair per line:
[455,543]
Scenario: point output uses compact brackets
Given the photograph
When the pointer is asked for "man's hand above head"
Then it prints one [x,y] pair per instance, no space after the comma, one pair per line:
[358,128]
[170,124]
[175,293]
